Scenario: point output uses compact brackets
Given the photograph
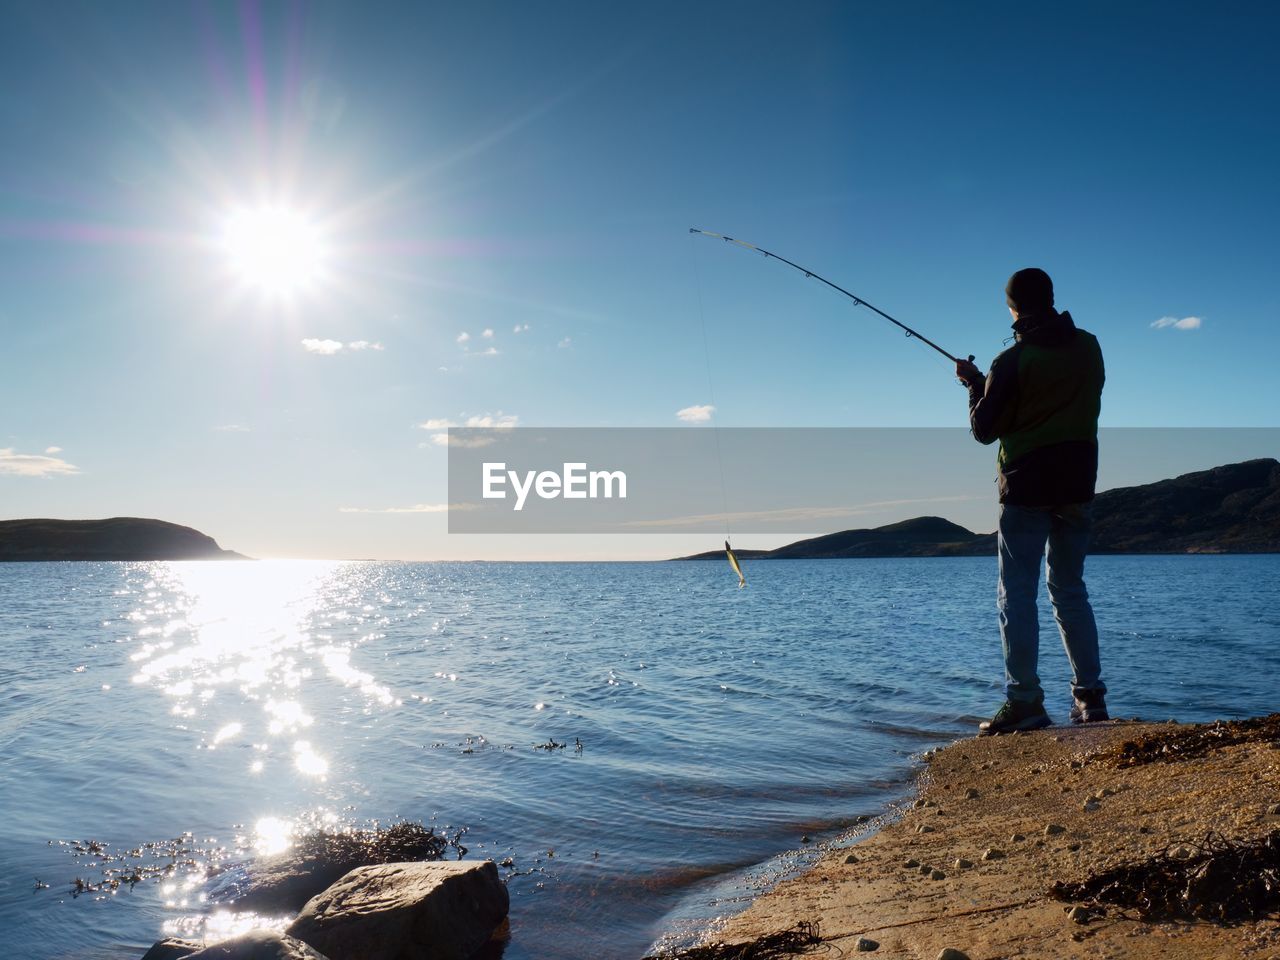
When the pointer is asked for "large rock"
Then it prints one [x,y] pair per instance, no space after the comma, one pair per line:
[255,945]
[406,911]
[282,883]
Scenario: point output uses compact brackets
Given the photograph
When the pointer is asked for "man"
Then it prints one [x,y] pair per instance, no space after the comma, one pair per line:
[1041,401]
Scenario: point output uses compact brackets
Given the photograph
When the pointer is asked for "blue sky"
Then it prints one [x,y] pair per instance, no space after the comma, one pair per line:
[491,167]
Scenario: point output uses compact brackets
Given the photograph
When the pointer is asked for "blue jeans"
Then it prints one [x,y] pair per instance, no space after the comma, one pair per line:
[1024,531]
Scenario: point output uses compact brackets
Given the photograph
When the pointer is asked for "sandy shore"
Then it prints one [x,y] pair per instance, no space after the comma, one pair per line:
[998,821]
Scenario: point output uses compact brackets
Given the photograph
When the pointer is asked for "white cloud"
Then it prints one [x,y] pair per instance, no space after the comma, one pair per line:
[231,428]
[463,337]
[464,443]
[496,421]
[698,413]
[326,348]
[1186,323]
[16,464]
[487,333]
[520,328]
[491,352]
[565,343]
[485,421]
[52,449]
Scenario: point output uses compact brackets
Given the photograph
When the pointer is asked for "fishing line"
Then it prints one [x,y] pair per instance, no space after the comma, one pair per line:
[715,428]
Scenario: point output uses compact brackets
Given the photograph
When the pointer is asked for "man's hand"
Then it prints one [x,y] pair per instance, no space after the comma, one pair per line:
[968,372]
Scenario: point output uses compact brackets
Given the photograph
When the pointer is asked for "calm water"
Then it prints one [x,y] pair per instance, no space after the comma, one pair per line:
[717,726]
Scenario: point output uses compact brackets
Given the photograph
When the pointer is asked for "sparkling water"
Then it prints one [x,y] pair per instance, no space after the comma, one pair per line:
[628,734]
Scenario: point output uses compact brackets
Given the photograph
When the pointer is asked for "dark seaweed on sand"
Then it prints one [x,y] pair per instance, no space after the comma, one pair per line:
[785,943]
[1216,879]
[1195,741]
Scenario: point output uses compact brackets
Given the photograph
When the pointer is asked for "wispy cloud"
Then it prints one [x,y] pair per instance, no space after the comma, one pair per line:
[520,328]
[416,508]
[231,428]
[52,450]
[566,343]
[484,421]
[794,514]
[463,337]
[16,464]
[327,348]
[487,333]
[699,413]
[491,352]
[1186,323]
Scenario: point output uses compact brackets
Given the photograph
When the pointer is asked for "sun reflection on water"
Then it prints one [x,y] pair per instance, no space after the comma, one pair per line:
[217,638]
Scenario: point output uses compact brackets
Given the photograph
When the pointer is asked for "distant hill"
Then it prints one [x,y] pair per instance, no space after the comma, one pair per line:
[117,538]
[1230,509]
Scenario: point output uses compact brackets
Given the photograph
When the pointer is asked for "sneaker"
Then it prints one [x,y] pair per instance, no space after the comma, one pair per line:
[1015,717]
[1089,707]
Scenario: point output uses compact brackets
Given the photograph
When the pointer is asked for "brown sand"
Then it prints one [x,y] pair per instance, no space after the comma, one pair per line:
[1000,906]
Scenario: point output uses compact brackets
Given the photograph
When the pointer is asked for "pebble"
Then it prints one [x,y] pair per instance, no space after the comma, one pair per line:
[1079,915]
[937,875]
[1017,838]
[851,858]
[924,828]
[912,863]
[992,854]
[1073,846]
[866,945]
[963,864]
[918,804]
[971,794]
[1091,805]
[1274,810]
[951,953]
[1051,828]
[1182,853]
[925,870]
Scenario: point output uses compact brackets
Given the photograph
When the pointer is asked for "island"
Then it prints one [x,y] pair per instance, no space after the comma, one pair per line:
[1234,508]
[115,538]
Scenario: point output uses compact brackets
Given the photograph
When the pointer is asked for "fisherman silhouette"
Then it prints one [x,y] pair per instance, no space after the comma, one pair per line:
[1041,401]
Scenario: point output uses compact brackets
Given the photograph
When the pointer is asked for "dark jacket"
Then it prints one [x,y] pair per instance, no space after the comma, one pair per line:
[1041,401]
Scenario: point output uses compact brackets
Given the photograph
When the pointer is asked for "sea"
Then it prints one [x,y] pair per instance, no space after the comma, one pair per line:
[642,746]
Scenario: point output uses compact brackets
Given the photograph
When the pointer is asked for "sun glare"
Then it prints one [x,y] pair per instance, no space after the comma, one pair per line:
[274,250]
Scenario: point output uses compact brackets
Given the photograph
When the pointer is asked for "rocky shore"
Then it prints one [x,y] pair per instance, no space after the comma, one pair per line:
[412,910]
[1117,840]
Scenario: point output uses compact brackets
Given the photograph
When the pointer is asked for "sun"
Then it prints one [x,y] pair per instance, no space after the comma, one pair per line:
[278,251]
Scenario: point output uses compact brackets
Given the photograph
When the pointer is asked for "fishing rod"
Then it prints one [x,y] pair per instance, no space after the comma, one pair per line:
[857,301]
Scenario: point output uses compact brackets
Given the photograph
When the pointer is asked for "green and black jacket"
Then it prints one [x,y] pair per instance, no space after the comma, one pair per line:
[1041,401]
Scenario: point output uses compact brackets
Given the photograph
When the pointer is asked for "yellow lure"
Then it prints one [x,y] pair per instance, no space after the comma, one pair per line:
[733,562]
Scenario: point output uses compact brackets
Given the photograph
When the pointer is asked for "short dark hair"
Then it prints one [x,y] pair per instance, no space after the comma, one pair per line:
[1029,290]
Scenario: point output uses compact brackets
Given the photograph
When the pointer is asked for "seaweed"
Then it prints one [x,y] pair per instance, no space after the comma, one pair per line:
[1191,742]
[784,943]
[395,844]
[1215,879]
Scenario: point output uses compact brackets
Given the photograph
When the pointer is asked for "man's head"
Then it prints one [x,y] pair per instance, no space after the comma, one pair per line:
[1029,291]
